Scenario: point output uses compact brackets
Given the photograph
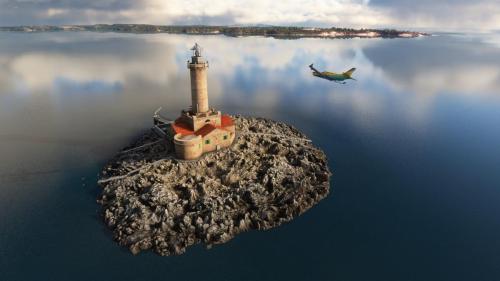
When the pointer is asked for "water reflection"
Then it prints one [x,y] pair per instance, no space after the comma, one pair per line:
[68,101]
[78,94]
[261,72]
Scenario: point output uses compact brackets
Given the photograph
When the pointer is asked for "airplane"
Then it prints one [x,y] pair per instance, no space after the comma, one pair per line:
[332,76]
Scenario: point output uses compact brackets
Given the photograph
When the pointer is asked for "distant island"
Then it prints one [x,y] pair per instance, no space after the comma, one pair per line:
[280,32]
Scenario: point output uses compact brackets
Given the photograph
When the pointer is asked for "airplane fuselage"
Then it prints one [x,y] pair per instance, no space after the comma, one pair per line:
[332,76]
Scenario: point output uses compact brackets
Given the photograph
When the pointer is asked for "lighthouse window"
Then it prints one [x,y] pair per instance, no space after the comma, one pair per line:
[207,142]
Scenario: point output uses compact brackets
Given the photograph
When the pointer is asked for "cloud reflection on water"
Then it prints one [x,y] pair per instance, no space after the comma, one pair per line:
[411,143]
[101,86]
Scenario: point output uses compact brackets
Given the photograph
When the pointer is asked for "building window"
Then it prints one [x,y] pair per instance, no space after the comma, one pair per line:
[207,142]
[225,137]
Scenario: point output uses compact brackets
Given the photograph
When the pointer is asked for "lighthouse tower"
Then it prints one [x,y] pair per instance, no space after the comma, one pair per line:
[199,93]
[200,129]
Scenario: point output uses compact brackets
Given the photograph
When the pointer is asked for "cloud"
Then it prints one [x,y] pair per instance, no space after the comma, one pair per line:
[318,12]
[467,66]
[437,15]
[443,14]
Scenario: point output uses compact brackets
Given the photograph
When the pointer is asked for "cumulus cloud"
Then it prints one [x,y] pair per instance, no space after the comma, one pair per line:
[309,12]
[443,14]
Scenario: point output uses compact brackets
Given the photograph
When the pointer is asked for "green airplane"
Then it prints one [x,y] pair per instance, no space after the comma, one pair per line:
[332,76]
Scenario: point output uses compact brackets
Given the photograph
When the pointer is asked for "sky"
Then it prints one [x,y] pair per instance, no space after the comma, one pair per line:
[445,15]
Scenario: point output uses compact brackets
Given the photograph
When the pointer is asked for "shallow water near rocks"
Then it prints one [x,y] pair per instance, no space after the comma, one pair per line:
[413,145]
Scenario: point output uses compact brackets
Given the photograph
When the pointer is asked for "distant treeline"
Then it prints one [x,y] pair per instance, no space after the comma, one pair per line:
[271,31]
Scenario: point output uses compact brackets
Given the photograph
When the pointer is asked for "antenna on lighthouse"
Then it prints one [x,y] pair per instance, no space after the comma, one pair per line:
[196,50]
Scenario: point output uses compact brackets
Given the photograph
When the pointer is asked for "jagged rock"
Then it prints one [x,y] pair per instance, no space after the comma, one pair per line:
[271,174]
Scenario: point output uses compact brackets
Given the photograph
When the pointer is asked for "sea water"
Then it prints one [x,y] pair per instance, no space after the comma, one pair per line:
[413,143]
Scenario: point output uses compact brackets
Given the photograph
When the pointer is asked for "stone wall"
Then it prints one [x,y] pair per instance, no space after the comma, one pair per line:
[216,138]
[188,147]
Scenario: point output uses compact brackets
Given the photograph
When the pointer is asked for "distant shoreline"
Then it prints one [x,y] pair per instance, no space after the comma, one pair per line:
[279,32]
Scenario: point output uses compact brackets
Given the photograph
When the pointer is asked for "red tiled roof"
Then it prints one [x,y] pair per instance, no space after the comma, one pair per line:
[205,130]
[226,120]
[181,128]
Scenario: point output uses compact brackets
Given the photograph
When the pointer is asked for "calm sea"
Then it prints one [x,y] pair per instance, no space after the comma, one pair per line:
[414,146]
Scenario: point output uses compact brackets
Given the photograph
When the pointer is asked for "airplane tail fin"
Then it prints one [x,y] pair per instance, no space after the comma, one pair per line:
[349,72]
[313,69]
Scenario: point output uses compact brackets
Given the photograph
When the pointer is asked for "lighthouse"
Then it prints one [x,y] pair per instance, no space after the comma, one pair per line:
[200,129]
[199,92]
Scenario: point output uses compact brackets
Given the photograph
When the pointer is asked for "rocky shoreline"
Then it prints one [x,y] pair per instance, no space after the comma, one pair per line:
[271,174]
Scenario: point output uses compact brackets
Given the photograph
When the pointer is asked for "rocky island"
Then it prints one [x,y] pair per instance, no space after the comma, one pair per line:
[208,176]
[151,200]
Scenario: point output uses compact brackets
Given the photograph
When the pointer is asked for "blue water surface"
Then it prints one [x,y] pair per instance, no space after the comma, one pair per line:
[413,145]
